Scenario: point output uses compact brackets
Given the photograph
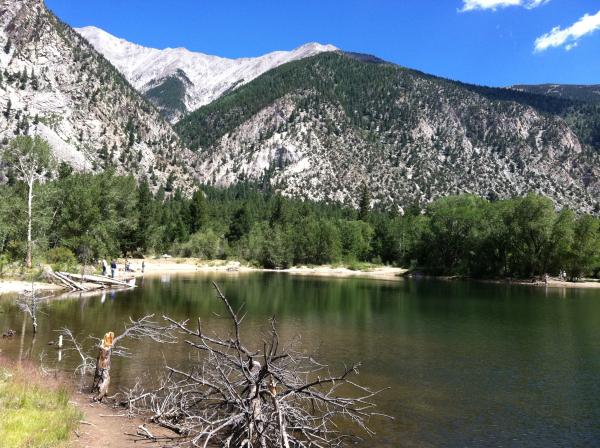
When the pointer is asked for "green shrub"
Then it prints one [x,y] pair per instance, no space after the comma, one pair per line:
[61,258]
[205,244]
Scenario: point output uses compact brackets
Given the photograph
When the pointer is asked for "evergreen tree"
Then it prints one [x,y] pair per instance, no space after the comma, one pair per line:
[364,204]
[8,46]
[8,108]
[240,225]
[198,211]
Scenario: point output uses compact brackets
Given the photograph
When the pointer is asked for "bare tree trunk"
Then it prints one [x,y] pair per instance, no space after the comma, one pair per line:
[285,443]
[29,215]
[102,373]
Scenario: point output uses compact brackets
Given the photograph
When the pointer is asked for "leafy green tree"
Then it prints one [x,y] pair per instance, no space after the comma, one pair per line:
[585,252]
[31,158]
[561,241]
[530,227]
[356,237]
[329,247]
[455,234]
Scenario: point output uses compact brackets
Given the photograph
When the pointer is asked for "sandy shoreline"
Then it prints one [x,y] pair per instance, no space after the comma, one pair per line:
[20,287]
[155,267]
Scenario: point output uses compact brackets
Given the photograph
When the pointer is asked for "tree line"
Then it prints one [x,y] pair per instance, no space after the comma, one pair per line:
[84,216]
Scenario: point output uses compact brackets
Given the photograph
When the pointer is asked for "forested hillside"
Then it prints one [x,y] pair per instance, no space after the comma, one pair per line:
[54,84]
[320,127]
[586,93]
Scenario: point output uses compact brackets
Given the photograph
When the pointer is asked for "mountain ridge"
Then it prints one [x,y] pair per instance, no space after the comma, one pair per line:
[320,127]
[208,76]
[575,92]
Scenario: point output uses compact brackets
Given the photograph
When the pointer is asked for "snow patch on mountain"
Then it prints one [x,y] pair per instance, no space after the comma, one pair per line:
[209,76]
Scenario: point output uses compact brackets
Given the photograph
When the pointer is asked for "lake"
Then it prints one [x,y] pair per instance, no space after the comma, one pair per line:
[469,365]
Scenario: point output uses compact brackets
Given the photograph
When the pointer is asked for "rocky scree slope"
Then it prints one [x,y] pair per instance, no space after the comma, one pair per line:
[54,84]
[179,81]
[321,127]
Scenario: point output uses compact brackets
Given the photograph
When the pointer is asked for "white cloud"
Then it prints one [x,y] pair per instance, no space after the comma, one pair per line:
[569,37]
[472,5]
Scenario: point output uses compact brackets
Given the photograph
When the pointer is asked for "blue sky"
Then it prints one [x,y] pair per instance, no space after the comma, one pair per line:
[490,42]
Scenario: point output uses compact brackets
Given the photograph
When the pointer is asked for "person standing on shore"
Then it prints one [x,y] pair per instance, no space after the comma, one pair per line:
[113,268]
[104,267]
[143,266]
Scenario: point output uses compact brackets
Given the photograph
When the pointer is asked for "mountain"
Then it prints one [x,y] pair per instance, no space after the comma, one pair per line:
[320,127]
[179,81]
[586,93]
[56,85]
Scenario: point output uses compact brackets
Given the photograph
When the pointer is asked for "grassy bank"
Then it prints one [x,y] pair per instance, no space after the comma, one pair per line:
[34,411]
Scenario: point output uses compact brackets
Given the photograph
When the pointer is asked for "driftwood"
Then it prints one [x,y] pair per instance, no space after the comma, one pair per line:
[96,279]
[9,333]
[237,396]
[102,373]
[78,282]
[86,360]
[74,285]
[144,328]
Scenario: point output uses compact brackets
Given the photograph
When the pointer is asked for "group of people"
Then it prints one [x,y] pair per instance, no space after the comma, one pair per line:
[113,267]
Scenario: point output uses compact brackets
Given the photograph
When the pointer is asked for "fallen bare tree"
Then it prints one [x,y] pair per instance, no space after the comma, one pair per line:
[109,345]
[235,396]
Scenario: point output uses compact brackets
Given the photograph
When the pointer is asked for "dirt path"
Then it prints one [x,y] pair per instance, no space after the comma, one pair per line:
[105,427]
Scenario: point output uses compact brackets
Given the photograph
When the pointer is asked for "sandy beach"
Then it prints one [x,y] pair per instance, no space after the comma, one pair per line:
[20,287]
[163,266]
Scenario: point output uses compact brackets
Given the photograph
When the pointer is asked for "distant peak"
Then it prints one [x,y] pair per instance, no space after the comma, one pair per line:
[317,46]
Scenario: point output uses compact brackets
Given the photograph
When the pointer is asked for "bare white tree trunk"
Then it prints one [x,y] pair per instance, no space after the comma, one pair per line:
[29,222]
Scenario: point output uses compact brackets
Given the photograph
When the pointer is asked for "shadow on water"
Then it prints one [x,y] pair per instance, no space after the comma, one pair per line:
[469,364]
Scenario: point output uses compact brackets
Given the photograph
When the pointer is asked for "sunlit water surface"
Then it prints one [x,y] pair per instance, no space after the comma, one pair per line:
[469,365]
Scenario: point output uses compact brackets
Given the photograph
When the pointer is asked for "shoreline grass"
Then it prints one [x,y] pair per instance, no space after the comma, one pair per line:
[34,411]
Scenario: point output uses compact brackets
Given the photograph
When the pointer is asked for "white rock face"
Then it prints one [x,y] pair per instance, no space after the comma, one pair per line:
[209,76]
[454,141]
[55,84]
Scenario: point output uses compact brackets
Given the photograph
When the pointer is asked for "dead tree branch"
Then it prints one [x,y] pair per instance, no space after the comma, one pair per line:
[29,303]
[240,397]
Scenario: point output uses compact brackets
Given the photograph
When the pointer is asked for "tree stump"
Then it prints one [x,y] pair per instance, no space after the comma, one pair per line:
[102,372]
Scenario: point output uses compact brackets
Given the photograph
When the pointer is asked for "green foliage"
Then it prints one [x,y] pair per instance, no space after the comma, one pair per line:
[355,238]
[95,214]
[584,256]
[169,96]
[32,415]
[32,154]
[364,203]
[61,258]
[105,215]
[205,244]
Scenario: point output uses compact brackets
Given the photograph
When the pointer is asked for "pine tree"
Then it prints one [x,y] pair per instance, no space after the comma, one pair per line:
[23,79]
[8,108]
[34,81]
[8,46]
[198,211]
[364,204]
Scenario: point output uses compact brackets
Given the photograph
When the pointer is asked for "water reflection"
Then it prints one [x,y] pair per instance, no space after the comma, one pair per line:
[469,364]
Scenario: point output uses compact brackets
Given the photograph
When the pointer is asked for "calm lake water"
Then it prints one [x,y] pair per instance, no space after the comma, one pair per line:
[469,365]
